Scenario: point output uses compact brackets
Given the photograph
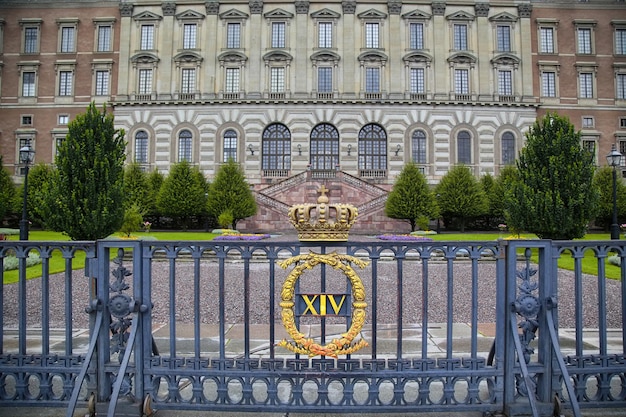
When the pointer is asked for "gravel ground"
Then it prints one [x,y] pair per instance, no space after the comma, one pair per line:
[413,299]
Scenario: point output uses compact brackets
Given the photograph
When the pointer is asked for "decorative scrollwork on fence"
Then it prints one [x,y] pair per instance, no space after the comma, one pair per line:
[527,306]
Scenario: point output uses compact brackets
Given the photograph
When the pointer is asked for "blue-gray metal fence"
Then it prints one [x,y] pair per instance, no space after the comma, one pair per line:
[493,326]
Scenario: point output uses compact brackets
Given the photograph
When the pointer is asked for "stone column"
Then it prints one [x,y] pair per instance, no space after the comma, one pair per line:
[167,81]
[482,84]
[209,44]
[302,77]
[125,77]
[395,69]
[440,46]
[351,44]
[256,71]
[524,75]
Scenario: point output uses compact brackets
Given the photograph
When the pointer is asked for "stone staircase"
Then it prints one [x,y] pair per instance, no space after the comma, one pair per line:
[274,200]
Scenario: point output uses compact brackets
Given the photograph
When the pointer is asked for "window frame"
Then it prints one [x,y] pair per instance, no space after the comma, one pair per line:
[619,40]
[32,75]
[464,147]
[324,147]
[104,41]
[233,37]
[141,147]
[185,145]
[276,148]
[416,37]
[325,37]
[547,46]
[372,35]
[65,83]
[460,39]
[231,83]
[503,43]
[620,85]
[190,40]
[505,83]
[417,83]
[147,37]
[585,44]
[29,45]
[372,79]
[143,86]
[507,148]
[372,143]
[419,147]
[278,79]
[278,37]
[230,143]
[586,88]
[324,79]
[551,88]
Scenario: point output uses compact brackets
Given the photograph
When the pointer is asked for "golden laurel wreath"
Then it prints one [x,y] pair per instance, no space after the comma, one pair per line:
[343,345]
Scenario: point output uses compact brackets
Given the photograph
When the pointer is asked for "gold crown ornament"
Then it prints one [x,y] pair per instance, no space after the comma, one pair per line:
[322,221]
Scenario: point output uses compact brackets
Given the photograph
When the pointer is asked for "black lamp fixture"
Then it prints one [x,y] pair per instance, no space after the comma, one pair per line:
[299,149]
[398,148]
[27,156]
[613,159]
[250,149]
[349,149]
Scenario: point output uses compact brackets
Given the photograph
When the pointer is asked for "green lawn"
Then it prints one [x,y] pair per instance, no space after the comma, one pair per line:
[57,263]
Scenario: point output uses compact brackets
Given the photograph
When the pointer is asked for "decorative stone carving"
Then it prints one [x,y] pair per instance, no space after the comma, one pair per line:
[169,9]
[524,10]
[302,6]
[439,8]
[394,6]
[212,7]
[348,6]
[481,9]
[256,6]
[126,9]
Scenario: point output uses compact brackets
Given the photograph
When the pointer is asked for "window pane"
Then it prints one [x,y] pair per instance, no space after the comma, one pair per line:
[104,38]
[232,80]
[586,84]
[28,84]
[184,146]
[324,79]
[189,36]
[145,81]
[230,145]
[30,40]
[584,41]
[371,35]
[548,84]
[65,83]
[505,85]
[141,147]
[233,35]
[276,147]
[102,83]
[621,86]
[416,36]
[325,35]
[324,147]
[460,37]
[620,41]
[417,81]
[508,148]
[188,80]
[372,80]
[464,147]
[278,35]
[372,148]
[277,82]
[504,38]
[147,37]
[67,39]
[547,40]
[418,147]
[461,81]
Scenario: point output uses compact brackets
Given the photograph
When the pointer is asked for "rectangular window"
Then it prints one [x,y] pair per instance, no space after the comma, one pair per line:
[505,83]
[461,81]
[460,37]
[184,149]
[27,120]
[584,40]
[65,83]
[371,35]
[416,39]
[67,39]
[230,148]
[548,84]
[277,80]
[620,41]
[28,84]
[324,79]
[188,80]
[590,146]
[31,43]
[145,81]
[141,150]
[325,35]
[233,33]
[102,83]
[63,119]
[278,34]
[508,149]
[503,34]
[419,148]
[104,38]
[147,37]
[547,40]
[585,80]
[417,81]
[189,35]
[372,80]
[621,86]
[232,80]
[464,149]
[622,122]
[588,122]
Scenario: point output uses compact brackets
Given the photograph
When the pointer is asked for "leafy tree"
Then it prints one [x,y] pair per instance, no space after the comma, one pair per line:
[86,195]
[7,191]
[154,182]
[494,214]
[132,220]
[554,196]
[136,188]
[182,195]
[39,178]
[230,192]
[411,199]
[603,182]
[461,197]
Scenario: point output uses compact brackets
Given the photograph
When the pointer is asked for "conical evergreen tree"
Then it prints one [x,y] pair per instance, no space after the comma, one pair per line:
[230,192]
[460,196]
[411,198]
[182,195]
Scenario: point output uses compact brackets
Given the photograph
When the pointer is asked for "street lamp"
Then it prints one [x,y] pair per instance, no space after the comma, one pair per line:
[27,156]
[613,159]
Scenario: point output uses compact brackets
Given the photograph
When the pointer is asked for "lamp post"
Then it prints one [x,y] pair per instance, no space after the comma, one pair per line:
[27,156]
[613,159]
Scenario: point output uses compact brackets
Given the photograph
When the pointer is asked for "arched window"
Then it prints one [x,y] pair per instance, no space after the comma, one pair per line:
[418,147]
[324,147]
[464,147]
[141,147]
[372,148]
[508,148]
[276,150]
[230,145]
[185,140]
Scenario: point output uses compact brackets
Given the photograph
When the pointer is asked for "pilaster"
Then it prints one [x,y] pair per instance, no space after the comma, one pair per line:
[124,81]
[395,76]
[351,45]
[484,46]
[167,79]
[302,68]
[210,34]
[441,46]
[525,67]
[256,71]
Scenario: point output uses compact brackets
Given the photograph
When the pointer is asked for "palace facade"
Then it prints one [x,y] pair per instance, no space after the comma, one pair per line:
[300,93]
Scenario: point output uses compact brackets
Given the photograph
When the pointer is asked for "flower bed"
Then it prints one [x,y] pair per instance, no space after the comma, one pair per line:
[404,238]
[241,236]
